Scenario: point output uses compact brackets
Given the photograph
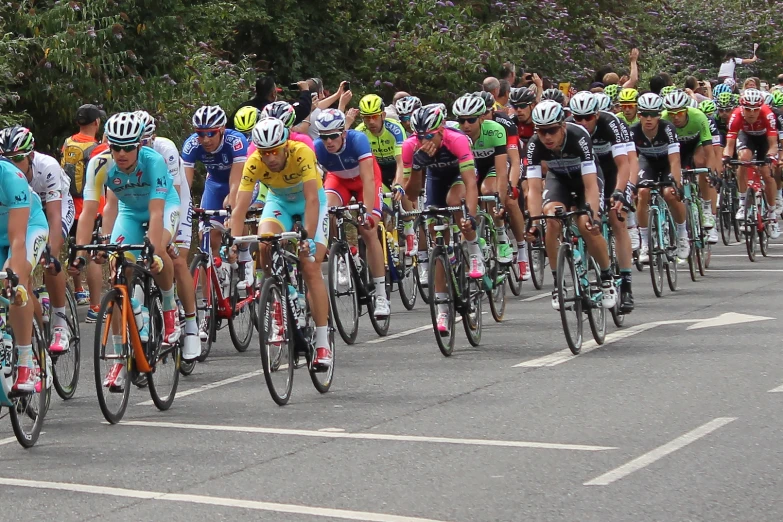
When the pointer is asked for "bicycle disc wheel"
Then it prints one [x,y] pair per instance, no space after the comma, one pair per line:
[163,358]
[749,226]
[206,304]
[596,314]
[407,279]
[112,398]
[29,409]
[66,366]
[569,300]
[670,258]
[655,251]
[276,341]
[439,265]
[690,225]
[537,259]
[240,324]
[343,297]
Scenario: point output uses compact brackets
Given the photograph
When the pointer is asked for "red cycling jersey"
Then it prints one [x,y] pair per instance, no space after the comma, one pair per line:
[763,126]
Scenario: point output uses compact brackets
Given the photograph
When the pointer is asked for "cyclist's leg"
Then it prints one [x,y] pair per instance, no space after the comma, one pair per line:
[185,286]
[744,153]
[165,278]
[557,193]
[212,199]
[438,190]
[702,158]
[317,292]
[55,284]
[337,195]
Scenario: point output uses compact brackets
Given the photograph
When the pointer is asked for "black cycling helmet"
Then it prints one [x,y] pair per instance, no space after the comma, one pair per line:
[521,96]
[554,95]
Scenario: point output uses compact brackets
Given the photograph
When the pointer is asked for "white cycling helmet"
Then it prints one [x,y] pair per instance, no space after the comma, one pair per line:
[209,117]
[676,100]
[548,112]
[602,101]
[405,106]
[583,103]
[752,98]
[281,110]
[330,121]
[149,124]
[650,102]
[124,128]
[269,133]
[768,98]
[469,105]
[428,118]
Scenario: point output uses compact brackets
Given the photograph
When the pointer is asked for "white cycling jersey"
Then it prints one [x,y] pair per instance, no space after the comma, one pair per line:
[166,148]
[51,183]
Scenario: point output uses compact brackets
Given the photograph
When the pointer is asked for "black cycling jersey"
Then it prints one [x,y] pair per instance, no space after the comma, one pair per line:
[654,153]
[609,140]
[779,119]
[575,156]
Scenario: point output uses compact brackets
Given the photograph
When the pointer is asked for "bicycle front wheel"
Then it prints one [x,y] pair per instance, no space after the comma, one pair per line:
[656,252]
[206,304]
[66,366]
[749,226]
[442,302]
[379,324]
[163,358]
[406,272]
[276,341]
[343,297]
[111,360]
[568,298]
[670,256]
[29,410]
[596,313]
[537,258]
[472,295]
[691,224]
[240,324]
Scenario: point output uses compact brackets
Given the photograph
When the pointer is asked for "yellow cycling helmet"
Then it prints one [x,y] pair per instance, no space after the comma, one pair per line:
[246,119]
[628,95]
[371,104]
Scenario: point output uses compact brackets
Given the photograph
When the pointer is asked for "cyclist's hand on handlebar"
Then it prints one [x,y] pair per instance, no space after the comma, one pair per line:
[20,295]
[306,248]
[233,254]
[77,266]
[367,220]
[532,233]
[100,258]
[399,192]
[157,264]
[467,224]
[726,160]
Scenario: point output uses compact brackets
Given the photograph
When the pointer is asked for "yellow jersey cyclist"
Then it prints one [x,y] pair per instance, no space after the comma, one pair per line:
[288,169]
[47,179]
[140,190]
[21,247]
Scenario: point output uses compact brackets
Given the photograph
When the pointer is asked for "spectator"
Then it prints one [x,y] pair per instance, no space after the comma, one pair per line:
[730,62]
[491,85]
[391,112]
[508,72]
[780,80]
[501,100]
[266,93]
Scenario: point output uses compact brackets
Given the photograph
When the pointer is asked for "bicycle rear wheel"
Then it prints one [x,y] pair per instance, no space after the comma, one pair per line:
[656,252]
[322,377]
[568,298]
[494,273]
[420,226]
[691,226]
[206,304]
[343,297]
[617,316]
[537,259]
[66,366]
[440,267]
[379,324]
[406,272]
[163,358]
[276,341]
[749,226]
[240,324]
[472,297]
[29,409]
[596,314]
[726,218]
[670,254]
[113,395]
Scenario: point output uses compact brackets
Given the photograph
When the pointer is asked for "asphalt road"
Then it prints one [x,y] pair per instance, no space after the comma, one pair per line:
[677,420]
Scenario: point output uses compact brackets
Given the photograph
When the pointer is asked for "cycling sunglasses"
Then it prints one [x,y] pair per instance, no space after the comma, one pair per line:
[272,152]
[208,133]
[543,131]
[521,105]
[649,114]
[427,136]
[331,137]
[17,158]
[628,105]
[124,148]
[467,120]
[678,111]
[407,117]
[371,117]
[751,109]
[587,117]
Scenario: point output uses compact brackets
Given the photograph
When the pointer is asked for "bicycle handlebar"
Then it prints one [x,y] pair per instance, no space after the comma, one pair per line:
[749,163]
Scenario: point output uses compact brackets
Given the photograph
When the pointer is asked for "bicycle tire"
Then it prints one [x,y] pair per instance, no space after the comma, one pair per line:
[750,226]
[271,363]
[474,289]
[32,406]
[596,316]
[735,203]
[407,280]
[617,317]
[206,305]
[241,334]
[691,228]
[654,250]
[440,261]
[671,260]
[763,233]
[420,224]
[65,383]
[347,326]
[163,359]
[323,379]
[496,294]
[110,304]
[566,301]
[381,326]
[725,220]
[537,258]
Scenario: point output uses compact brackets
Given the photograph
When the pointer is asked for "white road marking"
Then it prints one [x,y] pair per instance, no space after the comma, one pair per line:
[406,333]
[535,298]
[565,355]
[779,389]
[740,255]
[255,505]
[659,452]
[210,386]
[744,270]
[9,440]
[369,436]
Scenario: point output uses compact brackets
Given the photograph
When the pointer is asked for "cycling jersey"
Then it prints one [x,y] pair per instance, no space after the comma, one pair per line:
[621,116]
[765,125]
[609,141]
[388,145]
[626,131]
[166,148]
[293,136]
[490,143]
[15,193]
[575,155]
[345,163]
[694,133]
[51,183]
[654,153]
[714,130]
[510,126]
[218,163]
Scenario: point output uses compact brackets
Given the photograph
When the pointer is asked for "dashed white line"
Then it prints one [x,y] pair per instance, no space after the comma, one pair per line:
[534,298]
[211,386]
[659,452]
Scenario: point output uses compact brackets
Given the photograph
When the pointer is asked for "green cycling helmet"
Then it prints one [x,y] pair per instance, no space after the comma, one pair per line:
[777,99]
[668,89]
[612,90]
[735,98]
[708,107]
[725,100]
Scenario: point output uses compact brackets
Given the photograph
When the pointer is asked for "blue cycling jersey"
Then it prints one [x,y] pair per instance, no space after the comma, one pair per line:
[345,163]
[15,193]
[149,180]
[218,163]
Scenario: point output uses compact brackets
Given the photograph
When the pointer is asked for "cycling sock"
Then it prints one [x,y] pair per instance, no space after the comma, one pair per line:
[522,251]
[502,235]
[554,278]
[473,247]
[321,337]
[631,220]
[442,307]
[606,274]
[407,226]
[380,282]
[191,327]
[645,232]
[707,206]
[742,200]
[117,342]
[780,193]
[424,256]
[625,275]
[244,255]
[25,355]
[169,303]
[58,316]
[682,231]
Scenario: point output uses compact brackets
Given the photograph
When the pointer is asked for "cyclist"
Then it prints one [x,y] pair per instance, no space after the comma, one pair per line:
[567,152]
[724,102]
[353,172]
[405,107]
[628,106]
[49,181]
[21,246]
[223,153]
[245,119]
[613,91]
[695,137]
[777,107]
[288,168]
[610,146]
[139,190]
[659,160]
[753,132]
[444,154]
[181,246]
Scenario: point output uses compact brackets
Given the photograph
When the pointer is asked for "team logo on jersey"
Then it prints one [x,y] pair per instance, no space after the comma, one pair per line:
[238,145]
[160,182]
[21,198]
[120,239]
[277,213]
[117,181]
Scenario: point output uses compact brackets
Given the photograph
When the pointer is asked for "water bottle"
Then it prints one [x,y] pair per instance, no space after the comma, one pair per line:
[293,300]
[577,255]
[144,333]
[137,313]
[301,319]
[356,259]
[452,257]
[46,305]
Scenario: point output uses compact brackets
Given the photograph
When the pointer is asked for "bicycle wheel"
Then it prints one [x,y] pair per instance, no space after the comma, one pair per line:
[113,397]
[749,226]
[670,255]
[568,298]
[406,273]
[513,277]
[240,324]
[420,226]
[472,297]
[701,237]
[163,358]
[439,266]
[763,232]
[656,252]
[322,377]
[691,225]
[379,324]
[206,304]
[617,316]
[343,297]
[596,314]
[66,366]
[494,273]
[276,340]
[735,205]
[29,410]
[726,218]
[537,259]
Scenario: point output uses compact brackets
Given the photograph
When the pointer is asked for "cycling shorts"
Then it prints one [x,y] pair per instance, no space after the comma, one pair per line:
[282,211]
[68,216]
[129,227]
[653,171]
[213,197]
[34,242]
[345,188]
[569,190]
[437,188]
[759,145]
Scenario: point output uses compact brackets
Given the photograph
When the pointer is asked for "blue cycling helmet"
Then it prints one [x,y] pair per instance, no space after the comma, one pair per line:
[721,87]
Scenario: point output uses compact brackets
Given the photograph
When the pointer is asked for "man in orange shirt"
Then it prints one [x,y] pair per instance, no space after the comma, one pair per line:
[76,153]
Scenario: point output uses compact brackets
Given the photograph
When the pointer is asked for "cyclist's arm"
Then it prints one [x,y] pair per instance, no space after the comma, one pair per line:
[398,176]
[515,170]
[312,208]
[155,227]
[535,182]
[234,178]
[674,165]
[633,167]
[55,220]
[239,212]
[623,171]
[592,194]
[189,173]
[110,210]
[501,173]
[367,173]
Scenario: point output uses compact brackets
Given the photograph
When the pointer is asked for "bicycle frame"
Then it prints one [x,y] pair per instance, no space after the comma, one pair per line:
[343,215]
[444,220]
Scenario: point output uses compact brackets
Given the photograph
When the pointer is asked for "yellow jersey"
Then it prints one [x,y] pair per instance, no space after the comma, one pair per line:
[289,182]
